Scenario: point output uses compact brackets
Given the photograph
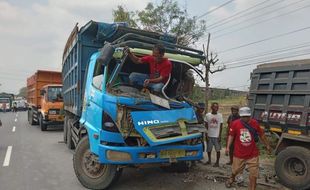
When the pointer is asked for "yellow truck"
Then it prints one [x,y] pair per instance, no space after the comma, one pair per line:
[44,96]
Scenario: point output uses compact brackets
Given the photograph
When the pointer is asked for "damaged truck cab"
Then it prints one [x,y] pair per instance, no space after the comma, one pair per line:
[115,124]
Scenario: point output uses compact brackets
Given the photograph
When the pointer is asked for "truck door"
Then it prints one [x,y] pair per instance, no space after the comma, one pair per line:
[94,107]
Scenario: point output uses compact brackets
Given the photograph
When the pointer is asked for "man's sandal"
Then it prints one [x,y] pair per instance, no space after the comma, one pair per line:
[229,183]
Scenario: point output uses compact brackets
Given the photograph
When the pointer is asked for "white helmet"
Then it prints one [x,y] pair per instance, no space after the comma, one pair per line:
[244,111]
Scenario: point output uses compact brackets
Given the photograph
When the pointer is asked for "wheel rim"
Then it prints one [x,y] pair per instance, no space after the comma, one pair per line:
[295,167]
[91,167]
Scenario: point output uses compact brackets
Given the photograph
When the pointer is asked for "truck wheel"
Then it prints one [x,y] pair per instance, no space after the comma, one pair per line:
[30,117]
[89,171]
[292,167]
[65,129]
[42,125]
[70,143]
[179,167]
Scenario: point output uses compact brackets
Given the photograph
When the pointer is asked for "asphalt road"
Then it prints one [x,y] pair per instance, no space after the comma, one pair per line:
[34,160]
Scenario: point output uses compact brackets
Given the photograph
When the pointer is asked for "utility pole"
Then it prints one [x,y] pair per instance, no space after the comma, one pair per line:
[210,60]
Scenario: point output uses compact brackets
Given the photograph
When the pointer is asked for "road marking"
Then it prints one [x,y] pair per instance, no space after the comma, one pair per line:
[15,119]
[13,130]
[7,157]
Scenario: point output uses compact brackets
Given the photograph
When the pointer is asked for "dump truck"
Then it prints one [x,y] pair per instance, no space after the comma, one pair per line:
[113,124]
[280,100]
[44,97]
[6,101]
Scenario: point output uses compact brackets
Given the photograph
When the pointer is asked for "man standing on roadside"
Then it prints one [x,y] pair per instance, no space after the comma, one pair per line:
[214,124]
[245,132]
[232,117]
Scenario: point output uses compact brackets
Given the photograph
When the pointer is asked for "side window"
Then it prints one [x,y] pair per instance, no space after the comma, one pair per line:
[98,76]
[45,94]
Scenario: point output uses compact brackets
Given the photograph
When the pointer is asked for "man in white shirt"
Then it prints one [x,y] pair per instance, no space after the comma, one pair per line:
[214,124]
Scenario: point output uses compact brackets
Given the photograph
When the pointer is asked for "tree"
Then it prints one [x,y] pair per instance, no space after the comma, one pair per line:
[22,92]
[167,17]
[121,15]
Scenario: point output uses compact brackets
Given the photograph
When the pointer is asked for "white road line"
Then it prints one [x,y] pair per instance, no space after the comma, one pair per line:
[15,119]
[13,130]
[7,157]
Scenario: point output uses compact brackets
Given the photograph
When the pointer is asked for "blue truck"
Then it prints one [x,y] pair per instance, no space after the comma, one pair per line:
[112,124]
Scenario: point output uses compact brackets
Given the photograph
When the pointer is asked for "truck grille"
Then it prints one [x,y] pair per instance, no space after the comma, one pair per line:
[162,132]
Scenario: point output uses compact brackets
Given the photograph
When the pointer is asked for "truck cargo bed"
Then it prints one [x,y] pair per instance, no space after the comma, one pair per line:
[37,81]
[280,95]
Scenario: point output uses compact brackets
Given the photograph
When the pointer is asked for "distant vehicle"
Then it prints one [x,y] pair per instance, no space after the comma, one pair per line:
[44,97]
[21,104]
[6,101]
[113,124]
[280,101]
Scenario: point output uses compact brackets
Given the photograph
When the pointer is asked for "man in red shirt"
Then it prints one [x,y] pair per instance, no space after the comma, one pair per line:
[244,133]
[160,69]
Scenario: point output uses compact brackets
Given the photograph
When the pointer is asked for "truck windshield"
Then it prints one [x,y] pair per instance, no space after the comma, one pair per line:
[54,94]
[4,101]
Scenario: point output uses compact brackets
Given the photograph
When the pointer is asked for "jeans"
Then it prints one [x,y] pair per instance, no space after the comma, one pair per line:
[139,78]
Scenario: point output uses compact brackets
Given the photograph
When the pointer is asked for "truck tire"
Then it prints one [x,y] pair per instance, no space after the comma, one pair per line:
[65,129]
[179,167]
[292,167]
[42,125]
[89,172]
[70,143]
[30,117]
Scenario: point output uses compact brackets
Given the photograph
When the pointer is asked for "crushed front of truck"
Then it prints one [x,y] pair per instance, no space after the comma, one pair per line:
[151,136]
[135,127]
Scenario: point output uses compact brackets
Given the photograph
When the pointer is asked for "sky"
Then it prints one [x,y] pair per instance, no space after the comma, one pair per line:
[33,34]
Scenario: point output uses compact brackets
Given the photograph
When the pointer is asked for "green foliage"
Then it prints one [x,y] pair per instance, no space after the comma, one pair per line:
[197,94]
[22,92]
[121,15]
[167,17]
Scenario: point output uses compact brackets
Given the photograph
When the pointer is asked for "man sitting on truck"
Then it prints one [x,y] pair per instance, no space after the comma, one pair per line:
[160,69]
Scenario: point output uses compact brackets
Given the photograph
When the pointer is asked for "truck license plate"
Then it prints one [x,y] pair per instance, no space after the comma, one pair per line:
[172,153]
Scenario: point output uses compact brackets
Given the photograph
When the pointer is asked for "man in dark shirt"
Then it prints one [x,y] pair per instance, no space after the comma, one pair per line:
[160,69]
[232,117]
[199,112]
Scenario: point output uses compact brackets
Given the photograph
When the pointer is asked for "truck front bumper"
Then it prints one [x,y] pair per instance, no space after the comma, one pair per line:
[144,155]
[53,123]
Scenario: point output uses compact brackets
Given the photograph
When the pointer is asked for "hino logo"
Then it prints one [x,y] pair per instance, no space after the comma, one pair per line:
[148,122]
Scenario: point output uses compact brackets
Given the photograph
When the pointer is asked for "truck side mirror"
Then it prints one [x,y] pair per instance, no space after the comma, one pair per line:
[106,54]
[42,92]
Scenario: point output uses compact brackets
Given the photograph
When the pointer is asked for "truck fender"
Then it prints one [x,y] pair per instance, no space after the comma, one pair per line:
[287,140]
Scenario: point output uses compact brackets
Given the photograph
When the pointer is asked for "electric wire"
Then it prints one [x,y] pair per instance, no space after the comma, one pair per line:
[265,39]
[260,22]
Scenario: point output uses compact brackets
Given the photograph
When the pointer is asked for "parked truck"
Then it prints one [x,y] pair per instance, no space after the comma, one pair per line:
[280,101]
[113,124]
[44,97]
[6,101]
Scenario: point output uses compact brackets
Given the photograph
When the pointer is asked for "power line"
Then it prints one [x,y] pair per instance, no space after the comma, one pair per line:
[270,52]
[213,10]
[269,57]
[265,39]
[261,15]
[265,61]
[232,17]
[256,23]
